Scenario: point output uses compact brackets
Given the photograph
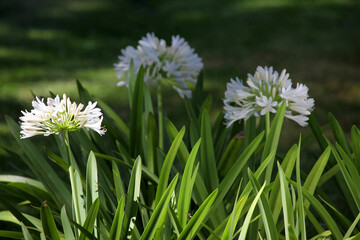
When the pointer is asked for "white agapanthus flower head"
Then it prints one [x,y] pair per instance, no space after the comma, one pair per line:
[177,62]
[59,115]
[264,92]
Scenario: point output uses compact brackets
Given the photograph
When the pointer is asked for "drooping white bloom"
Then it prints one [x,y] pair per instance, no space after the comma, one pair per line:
[265,91]
[59,115]
[177,62]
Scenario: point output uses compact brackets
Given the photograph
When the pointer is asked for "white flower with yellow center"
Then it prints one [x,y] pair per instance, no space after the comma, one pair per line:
[265,91]
[59,115]
[176,62]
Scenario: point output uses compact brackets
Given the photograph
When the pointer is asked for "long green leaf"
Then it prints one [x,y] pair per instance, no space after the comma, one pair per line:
[77,196]
[115,231]
[119,187]
[286,202]
[272,139]
[151,144]
[200,192]
[92,192]
[90,219]
[317,131]
[12,234]
[26,233]
[69,235]
[24,180]
[208,162]
[132,198]
[300,202]
[48,222]
[339,134]
[234,172]
[321,211]
[136,115]
[352,185]
[233,220]
[186,186]
[355,137]
[247,220]
[166,168]
[287,165]
[266,215]
[115,117]
[159,210]
[193,225]
[40,167]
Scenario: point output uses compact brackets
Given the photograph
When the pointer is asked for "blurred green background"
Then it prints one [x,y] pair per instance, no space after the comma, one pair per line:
[46,45]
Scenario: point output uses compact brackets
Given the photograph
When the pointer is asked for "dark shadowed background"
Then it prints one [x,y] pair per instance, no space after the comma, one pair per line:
[46,45]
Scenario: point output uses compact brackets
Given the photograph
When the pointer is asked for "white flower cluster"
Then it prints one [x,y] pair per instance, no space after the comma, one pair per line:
[59,115]
[177,62]
[265,91]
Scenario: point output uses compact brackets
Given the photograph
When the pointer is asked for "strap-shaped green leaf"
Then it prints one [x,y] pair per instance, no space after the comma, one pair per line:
[48,222]
[339,134]
[92,191]
[193,225]
[208,162]
[272,140]
[266,215]
[90,219]
[287,165]
[35,160]
[286,202]
[247,220]
[115,231]
[12,234]
[326,217]
[133,194]
[136,115]
[186,187]
[168,162]
[69,235]
[159,212]
[26,233]
[355,138]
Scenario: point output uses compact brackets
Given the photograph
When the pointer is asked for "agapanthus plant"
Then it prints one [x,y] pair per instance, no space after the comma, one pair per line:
[264,93]
[62,116]
[177,62]
[59,115]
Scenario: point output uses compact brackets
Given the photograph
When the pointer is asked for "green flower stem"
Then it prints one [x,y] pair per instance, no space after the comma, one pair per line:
[68,150]
[72,178]
[267,124]
[160,117]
